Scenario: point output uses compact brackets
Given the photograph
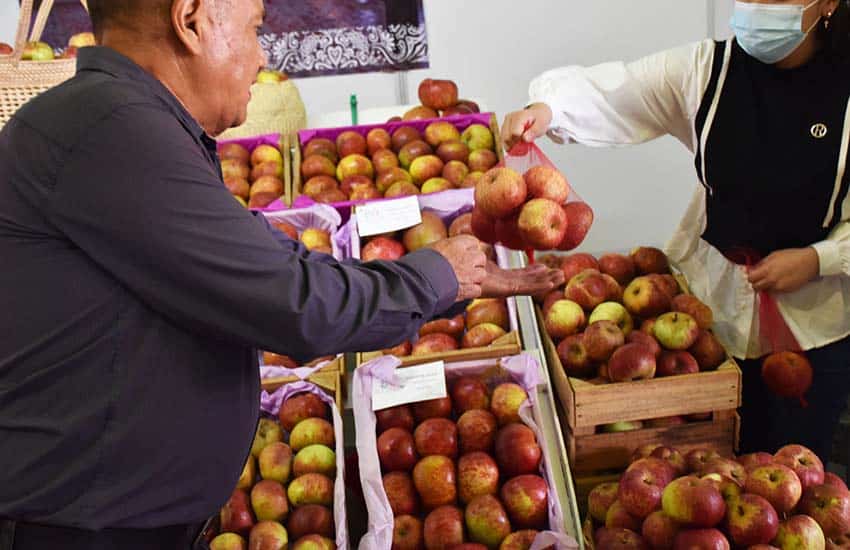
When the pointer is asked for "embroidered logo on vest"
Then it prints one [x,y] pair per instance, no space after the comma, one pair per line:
[819,130]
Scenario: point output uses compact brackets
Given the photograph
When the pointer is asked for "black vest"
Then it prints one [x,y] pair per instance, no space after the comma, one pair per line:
[768,151]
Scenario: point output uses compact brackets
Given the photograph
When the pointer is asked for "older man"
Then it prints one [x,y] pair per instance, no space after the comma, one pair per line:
[136,290]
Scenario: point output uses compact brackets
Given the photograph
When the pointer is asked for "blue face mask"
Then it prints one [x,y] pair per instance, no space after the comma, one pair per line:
[770,32]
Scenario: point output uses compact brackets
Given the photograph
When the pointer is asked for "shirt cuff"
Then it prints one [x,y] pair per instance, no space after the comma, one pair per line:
[439,274]
[829,258]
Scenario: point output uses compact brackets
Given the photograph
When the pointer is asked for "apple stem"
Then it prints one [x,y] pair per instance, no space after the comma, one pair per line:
[530,253]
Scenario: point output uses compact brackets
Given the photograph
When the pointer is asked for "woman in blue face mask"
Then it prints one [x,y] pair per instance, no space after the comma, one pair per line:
[766,116]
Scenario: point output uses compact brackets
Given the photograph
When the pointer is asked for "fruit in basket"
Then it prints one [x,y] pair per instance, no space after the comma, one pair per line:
[618,266]
[435,480]
[667,283]
[311,489]
[526,499]
[650,260]
[563,319]
[234,151]
[354,165]
[383,160]
[707,539]
[691,305]
[238,186]
[275,462]
[236,515]
[300,407]
[268,500]
[321,146]
[311,431]
[579,218]
[471,179]
[420,112]
[396,450]
[413,150]
[401,350]
[403,136]
[644,339]
[260,200]
[468,393]
[476,430]
[517,451]
[500,192]
[644,298]
[314,542]
[698,458]
[438,94]
[455,172]
[352,183]
[800,532]
[318,185]
[831,479]
[314,238]
[268,431]
[400,416]
[391,176]
[507,233]
[483,226]
[310,519]
[659,530]
[407,533]
[232,168]
[542,224]
[550,299]
[366,192]
[425,167]
[675,330]
[435,185]
[671,363]
[267,184]
[619,539]
[227,541]
[482,335]
[401,189]
[462,225]
[477,475]
[601,339]
[519,540]
[268,534]
[751,520]
[600,499]
[751,461]
[315,459]
[707,351]
[829,506]
[457,110]
[436,436]
[481,160]
[429,231]
[401,493]
[506,401]
[836,543]
[693,502]
[452,327]
[453,150]
[266,153]
[588,289]
[641,488]
[267,169]
[435,342]
[432,408]
[478,136]
[787,374]
[487,521]
[443,528]
[573,355]
[631,362]
[378,139]
[727,468]
[37,51]
[545,182]
[6,49]
[804,462]
[440,132]
[776,483]
[618,518]
[350,142]
[248,475]
[382,248]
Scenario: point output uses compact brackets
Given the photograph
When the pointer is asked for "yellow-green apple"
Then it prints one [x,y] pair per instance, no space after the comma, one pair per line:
[382,248]
[573,355]
[317,185]
[400,416]
[37,51]
[383,160]
[432,408]
[547,183]
[429,231]
[800,532]
[238,186]
[438,94]
[671,363]
[507,399]
[751,520]
[268,535]
[564,318]
[729,490]
[700,539]
[831,479]
[573,264]
[469,392]
[234,151]
[650,260]
[455,172]
[435,185]
[644,339]
[482,160]
[477,475]
[588,289]
[407,533]
[631,362]
[698,458]
[268,500]
[425,167]
[440,132]
[396,450]
[804,462]
[693,502]
[315,459]
[500,192]
[401,189]
[507,233]
[517,451]
[267,184]
[542,224]
[471,180]
[579,220]
[483,226]
[691,305]
[311,489]
[436,436]
[659,530]
[478,136]
[314,238]
[354,165]
[519,540]
[665,422]
[378,139]
[487,521]
[600,499]
[476,431]
[550,298]
[413,150]
[601,339]
[314,542]
[727,468]
[619,539]
[310,519]
[81,40]
[350,143]
[300,407]
[617,427]
[249,473]
[644,298]
[267,169]
[420,112]
[644,451]
[619,266]
[453,150]
[675,330]
[268,431]
[321,146]
[671,456]
[311,431]
[618,517]
[708,351]
[641,488]
[435,480]
[401,493]
[266,153]
[829,506]
[787,374]
[228,541]
[752,461]
[615,313]
[778,484]
[452,326]
[403,136]
[462,225]
[232,168]
[267,76]
[352,183]
[236,515]
[276,462]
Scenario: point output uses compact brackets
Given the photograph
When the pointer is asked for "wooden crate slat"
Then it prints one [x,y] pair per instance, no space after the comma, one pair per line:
[505,346]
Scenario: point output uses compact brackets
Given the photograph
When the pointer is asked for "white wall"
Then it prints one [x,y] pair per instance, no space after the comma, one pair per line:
[8,20]
[723,11]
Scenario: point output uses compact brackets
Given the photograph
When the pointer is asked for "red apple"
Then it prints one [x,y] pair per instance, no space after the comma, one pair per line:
[268,534]
[618,518]
[829,506]
[436,436]
[314,542]
[407,533]
[483,226]
[573,264]
[574,358]
[752,520]
[402,350]
[804,462]
[432,408]
[787,374]
[435,342]
[631,362]
[401,493]
[618,266]
[588,289]
[378,139]
[231,151]
[310,519]
[236,514]
[650,260]
[831,479]
[693,502]
[387,179]
[601,339]
[396,450]
[453,150]
[482,160]
[727,468]
[659,530]
[542,224]
[619,539]
[778,484]
[579,220]
[640,490]
[526,498]
[452,327]
[435,480]
[350,143]
[477,474]
[300,407]
[469,393]
[673,457]
[443,528]
[692,305]
[519,540]
[321,146]
[486,521]
[641,338]
[420,113]
[382,248]
[476,431]
[708,351]
[752,461]
[700,539]
[268,500]
[600,499]
[800,532]
[500,192]
[400,416]
[403,136]
[517,451]
[698,458]
[671,363]
[487,310]
[545,182]
[438,94]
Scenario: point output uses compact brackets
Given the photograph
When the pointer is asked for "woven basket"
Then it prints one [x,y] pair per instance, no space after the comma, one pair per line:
[20,80]
[275,108]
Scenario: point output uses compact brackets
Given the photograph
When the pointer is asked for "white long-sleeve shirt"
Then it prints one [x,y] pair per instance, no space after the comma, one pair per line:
[628,103]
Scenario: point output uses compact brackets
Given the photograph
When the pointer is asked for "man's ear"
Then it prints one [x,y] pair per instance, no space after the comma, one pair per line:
[188,18]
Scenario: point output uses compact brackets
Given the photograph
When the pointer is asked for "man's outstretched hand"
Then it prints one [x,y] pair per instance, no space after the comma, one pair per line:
[533,280]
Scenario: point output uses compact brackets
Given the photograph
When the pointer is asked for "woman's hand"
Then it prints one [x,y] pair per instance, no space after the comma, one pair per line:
[785,270]
[526,125]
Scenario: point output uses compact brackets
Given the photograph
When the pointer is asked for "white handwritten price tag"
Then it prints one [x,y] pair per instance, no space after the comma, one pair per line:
[419,383]
[387,216]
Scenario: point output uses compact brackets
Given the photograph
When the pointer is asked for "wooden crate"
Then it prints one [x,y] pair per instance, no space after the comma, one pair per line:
[329,380]
[507,345]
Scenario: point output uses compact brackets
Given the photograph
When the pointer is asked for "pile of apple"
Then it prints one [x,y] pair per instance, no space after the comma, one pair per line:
[623,317]
[254,177]
[42,51]
[406,162]
[295,486]
[439,98]
[462,471]
[703,501]
[529,211]
[314,239]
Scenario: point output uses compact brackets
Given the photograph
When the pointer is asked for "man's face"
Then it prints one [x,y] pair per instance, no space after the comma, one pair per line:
[232,58]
